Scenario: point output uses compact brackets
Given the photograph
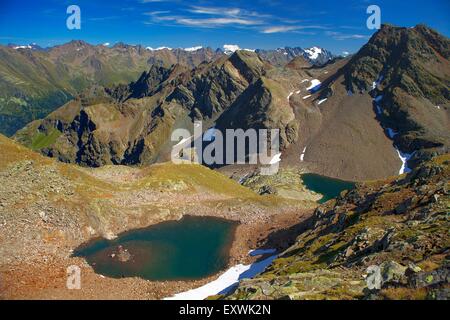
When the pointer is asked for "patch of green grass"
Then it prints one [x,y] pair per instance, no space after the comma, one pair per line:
[42,140]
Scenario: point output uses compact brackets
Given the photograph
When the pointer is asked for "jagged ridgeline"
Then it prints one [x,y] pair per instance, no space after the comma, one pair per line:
[349,119]
[132,124]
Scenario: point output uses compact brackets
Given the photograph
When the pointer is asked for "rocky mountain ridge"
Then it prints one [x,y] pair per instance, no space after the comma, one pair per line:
[384,240]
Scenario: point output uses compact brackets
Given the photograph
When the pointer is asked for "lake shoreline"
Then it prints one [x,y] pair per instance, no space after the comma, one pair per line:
[47,279]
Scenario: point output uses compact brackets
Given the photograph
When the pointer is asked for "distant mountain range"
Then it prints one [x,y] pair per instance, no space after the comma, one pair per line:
[364,117]
[34,80]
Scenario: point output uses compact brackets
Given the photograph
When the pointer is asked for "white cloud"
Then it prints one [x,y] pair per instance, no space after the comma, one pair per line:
[341,36]
[214,22]
[215,17]
[280,29]
[215,11]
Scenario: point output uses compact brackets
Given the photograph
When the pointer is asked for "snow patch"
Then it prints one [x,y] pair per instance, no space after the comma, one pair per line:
[158,49]
[306,97]
[378,99]
[377,82]
[231,48]
[302,156]
[391,133]
[404,157]
[275,159]
[290,95]
[226,281]
[314,86]
[22,47]
[379,111]
[193,49]
[322,101]
[313,53]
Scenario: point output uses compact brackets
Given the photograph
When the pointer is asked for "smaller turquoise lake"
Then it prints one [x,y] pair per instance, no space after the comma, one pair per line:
[328,187]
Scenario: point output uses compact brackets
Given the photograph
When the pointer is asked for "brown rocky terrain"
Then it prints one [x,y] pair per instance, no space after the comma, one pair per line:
[386,239]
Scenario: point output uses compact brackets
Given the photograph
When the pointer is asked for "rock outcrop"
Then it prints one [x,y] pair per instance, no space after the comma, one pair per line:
[383,240]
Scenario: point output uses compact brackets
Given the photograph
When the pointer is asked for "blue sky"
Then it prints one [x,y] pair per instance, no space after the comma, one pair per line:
[336,25]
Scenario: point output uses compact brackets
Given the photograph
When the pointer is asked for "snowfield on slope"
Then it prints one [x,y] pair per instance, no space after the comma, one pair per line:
[227,281]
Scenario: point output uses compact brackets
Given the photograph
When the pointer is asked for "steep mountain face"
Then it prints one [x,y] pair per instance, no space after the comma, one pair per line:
[34,82]
[383,240]
[315,55]
[398,83]
[407,70]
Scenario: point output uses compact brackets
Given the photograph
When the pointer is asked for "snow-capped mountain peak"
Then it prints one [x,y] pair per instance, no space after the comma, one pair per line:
[313,53]
[193,49]
[231,48]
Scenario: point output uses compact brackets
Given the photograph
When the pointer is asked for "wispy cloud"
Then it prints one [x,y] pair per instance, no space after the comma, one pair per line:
[280,29]
[103,18]
[218,16]
[342,36]
[215,10]
[214,22]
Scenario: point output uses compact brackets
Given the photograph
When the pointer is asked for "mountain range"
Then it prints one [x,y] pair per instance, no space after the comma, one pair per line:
[35,81]
[392,96]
